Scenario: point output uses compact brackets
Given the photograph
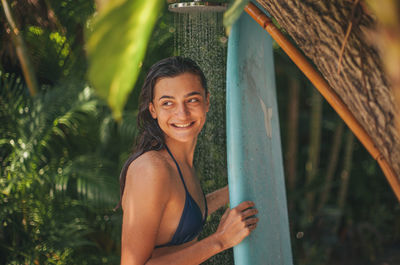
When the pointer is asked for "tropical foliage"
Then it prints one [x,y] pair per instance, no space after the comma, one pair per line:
[58,174]
[61,150]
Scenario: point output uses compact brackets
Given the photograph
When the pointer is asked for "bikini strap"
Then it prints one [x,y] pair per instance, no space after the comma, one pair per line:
[177,166]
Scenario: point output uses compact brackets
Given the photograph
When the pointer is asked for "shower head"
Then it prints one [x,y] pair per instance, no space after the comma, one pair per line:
[197,6]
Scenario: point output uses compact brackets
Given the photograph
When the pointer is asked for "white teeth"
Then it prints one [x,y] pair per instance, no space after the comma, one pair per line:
[182,125]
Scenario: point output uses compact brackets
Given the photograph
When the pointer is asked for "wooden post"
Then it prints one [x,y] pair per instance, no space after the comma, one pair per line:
[22,53]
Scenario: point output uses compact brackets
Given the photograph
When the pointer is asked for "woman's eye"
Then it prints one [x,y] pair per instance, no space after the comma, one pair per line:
[193,100]
[167,103]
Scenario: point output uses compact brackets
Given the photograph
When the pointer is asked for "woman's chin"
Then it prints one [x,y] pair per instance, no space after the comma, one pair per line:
[183,136]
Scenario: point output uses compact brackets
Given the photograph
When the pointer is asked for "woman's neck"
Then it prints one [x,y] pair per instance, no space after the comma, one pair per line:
[183,152]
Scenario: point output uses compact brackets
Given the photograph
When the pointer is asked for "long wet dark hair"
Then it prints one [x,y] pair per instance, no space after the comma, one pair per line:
[151,137]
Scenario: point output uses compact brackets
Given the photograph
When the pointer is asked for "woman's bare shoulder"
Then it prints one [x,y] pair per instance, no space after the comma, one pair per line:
[149,167]
[149,173]
[150,162]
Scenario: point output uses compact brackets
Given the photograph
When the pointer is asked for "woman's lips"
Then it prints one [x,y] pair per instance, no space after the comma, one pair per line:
[183,125]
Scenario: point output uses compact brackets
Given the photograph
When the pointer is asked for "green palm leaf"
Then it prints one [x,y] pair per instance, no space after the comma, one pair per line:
[116,47]
[95,179]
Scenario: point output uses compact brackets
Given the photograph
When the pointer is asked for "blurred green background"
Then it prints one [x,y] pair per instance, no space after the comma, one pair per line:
[61,151]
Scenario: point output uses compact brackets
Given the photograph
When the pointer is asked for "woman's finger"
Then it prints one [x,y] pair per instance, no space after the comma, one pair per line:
[244,205]
[252,227]
[251,221]
[249,212]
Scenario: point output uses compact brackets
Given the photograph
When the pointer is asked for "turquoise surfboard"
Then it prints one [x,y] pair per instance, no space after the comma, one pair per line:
[255,166]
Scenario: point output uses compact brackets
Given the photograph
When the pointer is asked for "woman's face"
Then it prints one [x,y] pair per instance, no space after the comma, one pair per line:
[180,105]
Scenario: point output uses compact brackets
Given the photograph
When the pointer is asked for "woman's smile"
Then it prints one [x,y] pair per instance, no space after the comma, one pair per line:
[183,125]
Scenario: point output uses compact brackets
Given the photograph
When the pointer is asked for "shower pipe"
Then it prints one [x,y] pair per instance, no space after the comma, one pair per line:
[326,91]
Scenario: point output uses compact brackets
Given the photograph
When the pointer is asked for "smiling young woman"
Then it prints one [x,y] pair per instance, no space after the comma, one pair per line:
[164,207]
[180,105]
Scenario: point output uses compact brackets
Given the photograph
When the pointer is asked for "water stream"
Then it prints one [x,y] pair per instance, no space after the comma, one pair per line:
[201,37]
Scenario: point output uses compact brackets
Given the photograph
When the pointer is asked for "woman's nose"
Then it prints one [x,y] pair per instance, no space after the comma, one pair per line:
[182,110]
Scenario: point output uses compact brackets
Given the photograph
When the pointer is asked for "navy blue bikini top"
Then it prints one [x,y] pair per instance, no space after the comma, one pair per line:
[192,221]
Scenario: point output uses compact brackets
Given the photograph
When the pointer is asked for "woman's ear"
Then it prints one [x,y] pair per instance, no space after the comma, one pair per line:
[152,110]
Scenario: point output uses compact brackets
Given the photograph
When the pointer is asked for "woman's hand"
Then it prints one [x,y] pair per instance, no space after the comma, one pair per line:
[236,224]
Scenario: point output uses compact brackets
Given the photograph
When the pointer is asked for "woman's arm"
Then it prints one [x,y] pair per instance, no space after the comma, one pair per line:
[145,197]
[235,225]
[217,199]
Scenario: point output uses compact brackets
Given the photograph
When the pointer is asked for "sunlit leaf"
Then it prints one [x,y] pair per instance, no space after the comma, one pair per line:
[233,13]
[116,47]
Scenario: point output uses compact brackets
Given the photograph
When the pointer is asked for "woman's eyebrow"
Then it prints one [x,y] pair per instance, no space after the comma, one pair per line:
[192,94]
[165,96]
[186,96]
